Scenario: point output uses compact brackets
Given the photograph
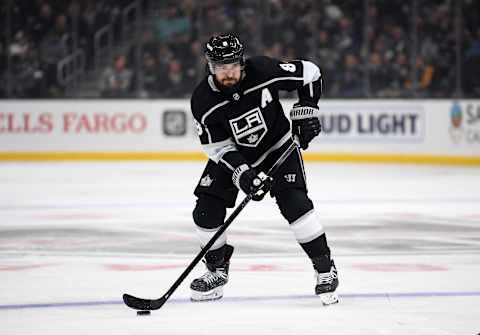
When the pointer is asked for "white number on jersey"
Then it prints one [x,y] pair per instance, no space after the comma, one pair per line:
[199,127]
[288,67]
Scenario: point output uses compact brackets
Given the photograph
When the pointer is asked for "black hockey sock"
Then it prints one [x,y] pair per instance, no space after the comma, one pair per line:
[317,249]
[217,256]
[322,263]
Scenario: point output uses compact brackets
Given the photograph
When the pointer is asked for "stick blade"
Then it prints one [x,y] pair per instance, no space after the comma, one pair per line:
[143,304]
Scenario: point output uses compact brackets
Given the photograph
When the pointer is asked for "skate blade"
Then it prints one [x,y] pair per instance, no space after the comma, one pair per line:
[214,294]
[329,298]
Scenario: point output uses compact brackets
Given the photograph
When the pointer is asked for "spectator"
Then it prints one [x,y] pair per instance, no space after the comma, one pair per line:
[379,77]
[152,75]
[399,75]
[43,22]
[194,69]
[175,83]
[171,22]
[424,72]
[116,81]
[350,80]
[54,47]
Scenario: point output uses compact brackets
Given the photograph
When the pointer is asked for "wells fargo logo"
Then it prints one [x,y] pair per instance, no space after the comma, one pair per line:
[72,123]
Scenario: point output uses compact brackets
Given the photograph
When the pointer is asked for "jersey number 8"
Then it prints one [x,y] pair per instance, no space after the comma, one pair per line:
[288,67]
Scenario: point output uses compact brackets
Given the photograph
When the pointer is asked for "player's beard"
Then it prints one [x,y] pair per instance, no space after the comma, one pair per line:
[229,82]
[229,85]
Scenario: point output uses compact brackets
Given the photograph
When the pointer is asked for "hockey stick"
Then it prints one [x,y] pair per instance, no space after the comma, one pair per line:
[153,304]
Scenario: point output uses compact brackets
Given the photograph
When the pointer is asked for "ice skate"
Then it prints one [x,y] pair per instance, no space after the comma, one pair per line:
[326,282]
[210,285]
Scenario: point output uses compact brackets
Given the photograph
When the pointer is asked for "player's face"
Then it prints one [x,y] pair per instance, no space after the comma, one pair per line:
[228,74]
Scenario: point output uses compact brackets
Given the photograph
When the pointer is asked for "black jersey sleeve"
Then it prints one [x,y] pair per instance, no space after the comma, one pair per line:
[301,75]
[215,139]
[209,132]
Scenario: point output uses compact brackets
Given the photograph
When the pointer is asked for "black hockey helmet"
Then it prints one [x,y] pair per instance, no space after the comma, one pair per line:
[224,49]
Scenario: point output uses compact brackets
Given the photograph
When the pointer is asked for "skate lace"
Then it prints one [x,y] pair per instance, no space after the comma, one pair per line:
[210,277]
[326,277]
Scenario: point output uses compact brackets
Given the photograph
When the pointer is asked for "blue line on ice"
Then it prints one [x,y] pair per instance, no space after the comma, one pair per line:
[406,295]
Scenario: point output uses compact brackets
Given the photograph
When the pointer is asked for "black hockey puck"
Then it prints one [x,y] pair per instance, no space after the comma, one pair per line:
[143,312]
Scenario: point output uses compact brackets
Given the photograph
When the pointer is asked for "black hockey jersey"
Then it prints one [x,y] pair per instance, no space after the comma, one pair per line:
[247,124]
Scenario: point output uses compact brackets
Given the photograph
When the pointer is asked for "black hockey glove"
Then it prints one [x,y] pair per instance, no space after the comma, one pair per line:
[247,180]
[305,123]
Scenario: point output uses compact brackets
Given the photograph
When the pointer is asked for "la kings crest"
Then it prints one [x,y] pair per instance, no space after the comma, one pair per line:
[249,128]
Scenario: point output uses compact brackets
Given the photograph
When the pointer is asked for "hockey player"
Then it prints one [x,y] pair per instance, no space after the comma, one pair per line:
[243,130]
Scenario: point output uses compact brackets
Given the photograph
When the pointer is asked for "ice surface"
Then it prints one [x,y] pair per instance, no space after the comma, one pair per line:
[75,236]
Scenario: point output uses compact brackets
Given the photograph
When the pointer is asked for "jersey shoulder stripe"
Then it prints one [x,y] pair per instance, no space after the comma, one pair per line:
[268,82]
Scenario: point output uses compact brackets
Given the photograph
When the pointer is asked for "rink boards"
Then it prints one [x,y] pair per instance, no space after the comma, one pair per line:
[394,131]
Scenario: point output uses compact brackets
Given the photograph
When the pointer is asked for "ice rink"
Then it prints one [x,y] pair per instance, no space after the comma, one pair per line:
[75,236]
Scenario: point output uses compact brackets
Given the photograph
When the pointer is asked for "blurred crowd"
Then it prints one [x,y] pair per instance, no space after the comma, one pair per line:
[42,34]
[375,48]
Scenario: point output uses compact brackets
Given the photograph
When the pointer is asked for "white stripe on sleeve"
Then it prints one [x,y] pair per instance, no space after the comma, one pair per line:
[311,72]
[215,151]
